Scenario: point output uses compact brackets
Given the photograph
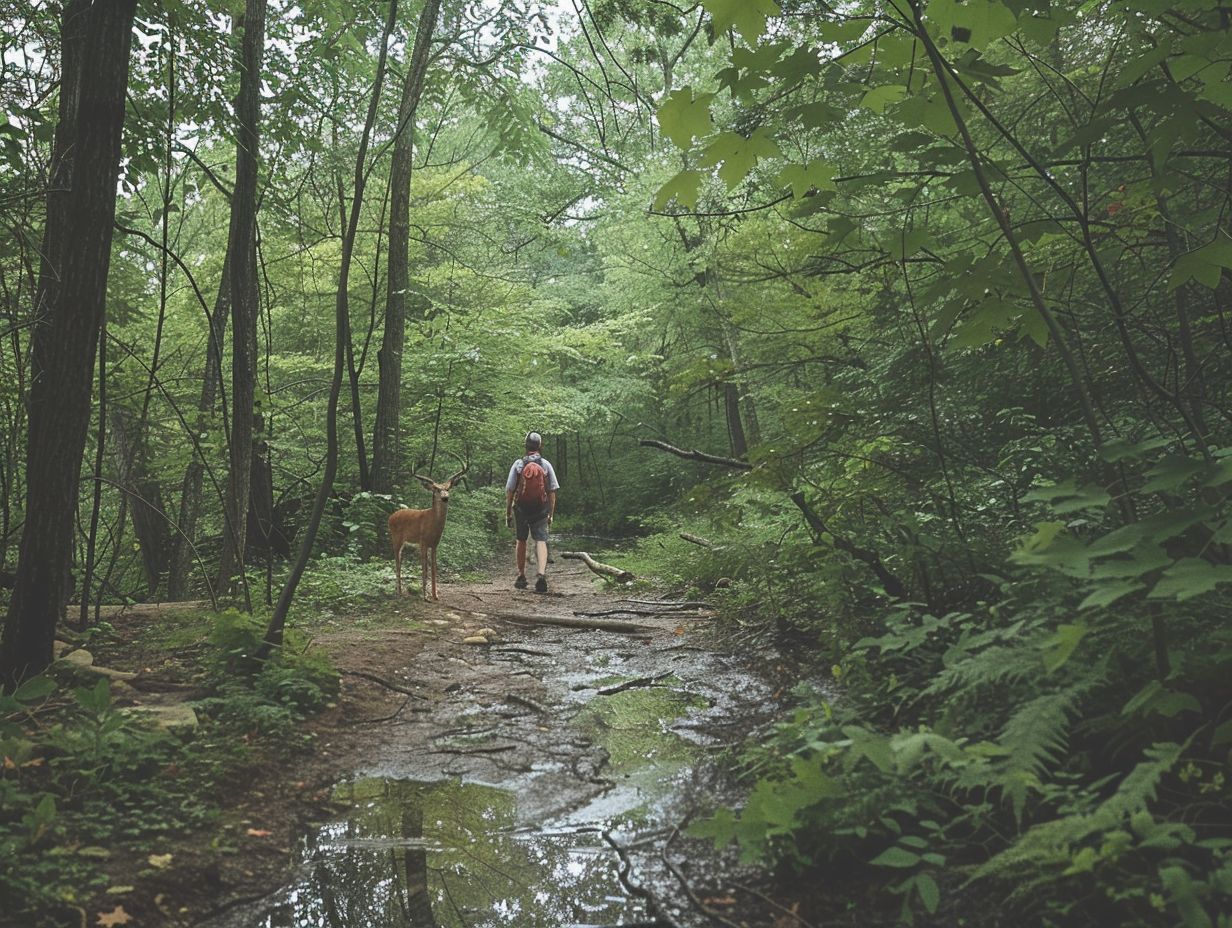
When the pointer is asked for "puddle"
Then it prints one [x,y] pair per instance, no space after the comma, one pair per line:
[495,806]
[414,855]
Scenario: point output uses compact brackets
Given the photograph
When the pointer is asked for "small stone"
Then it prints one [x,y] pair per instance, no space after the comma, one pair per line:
[490,633]
[81,657]
[475,639]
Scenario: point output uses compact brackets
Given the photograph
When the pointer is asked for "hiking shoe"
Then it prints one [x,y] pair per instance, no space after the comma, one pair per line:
[520,583]
[541,584]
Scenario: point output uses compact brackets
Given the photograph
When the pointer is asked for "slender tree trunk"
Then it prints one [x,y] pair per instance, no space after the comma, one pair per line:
[386,444]
[190,492]
[69,309]
[145,492]
[242,256]
[342,334]
[100,451]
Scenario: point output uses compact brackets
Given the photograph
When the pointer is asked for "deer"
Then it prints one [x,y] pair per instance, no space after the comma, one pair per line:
[422,528]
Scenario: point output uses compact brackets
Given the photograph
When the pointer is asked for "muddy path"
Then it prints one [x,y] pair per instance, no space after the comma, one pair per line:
[538,780]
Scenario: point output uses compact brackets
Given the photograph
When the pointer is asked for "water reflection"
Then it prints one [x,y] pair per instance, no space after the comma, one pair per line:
[422,855]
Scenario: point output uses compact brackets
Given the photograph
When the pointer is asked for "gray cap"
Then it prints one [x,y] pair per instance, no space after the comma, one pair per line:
[533,440]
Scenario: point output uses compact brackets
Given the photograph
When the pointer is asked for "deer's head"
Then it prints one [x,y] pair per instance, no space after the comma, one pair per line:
[440,490]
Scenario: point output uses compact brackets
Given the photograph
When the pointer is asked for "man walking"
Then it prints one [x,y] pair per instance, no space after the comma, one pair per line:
[530,499]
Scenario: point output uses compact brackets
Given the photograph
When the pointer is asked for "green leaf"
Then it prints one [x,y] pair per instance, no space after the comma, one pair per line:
[1061,645]
[929,894]
[1108,593]
[877,98]
[34,689]
[896,857]
[683,188]
[738,155]
[684,117]
[1190,577]
[801,178]
[747,16]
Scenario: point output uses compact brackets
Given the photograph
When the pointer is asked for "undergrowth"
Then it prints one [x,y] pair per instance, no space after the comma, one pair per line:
[82,778]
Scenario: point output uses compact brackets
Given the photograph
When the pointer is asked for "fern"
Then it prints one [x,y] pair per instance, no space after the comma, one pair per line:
[1048,846]
[1033,738]
[993,666]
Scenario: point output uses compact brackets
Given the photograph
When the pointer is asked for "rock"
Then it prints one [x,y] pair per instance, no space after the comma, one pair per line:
[475,639]
[167,715]
[81,657]
[489,633]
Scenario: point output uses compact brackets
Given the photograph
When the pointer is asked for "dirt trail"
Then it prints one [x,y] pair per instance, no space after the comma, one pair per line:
[540,780]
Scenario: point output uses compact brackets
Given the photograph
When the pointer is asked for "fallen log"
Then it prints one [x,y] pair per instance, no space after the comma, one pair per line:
[697,540]
[634,628]
[631,684]
[605,570]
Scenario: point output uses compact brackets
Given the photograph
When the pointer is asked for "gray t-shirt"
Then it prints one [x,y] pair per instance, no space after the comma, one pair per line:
[516,471]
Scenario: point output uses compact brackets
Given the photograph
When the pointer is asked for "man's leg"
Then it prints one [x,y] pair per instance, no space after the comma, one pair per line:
[541,555]
[520,552]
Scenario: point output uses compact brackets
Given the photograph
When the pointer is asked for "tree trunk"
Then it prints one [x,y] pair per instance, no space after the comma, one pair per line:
[190,492]
[386,444]
[242,257]
[145,493]
[342,334]
[69,309]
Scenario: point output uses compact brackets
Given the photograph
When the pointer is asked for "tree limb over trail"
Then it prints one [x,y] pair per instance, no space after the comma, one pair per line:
[693,454]
[893,586]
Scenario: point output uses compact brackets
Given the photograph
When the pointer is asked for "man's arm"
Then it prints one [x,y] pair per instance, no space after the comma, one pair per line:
[551,504]
[508,508]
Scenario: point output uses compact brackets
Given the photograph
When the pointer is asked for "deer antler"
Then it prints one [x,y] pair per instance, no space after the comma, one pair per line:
[458,476]
[426,481]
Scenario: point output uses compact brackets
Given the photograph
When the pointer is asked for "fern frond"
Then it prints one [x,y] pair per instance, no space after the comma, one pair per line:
[1048,846]
[993,666]
[1036,733]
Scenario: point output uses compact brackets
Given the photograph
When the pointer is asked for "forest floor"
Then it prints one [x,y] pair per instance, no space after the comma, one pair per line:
[543,779]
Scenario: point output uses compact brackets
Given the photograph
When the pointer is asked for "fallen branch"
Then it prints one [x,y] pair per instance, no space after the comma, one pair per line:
[384,718]
[688,890]
[697,540]
[517,650]
[669,604]
[385,683]
[893,586]
[592,624]
[495,749]
[528,703]
[695,455]
[633,684]
[622,576]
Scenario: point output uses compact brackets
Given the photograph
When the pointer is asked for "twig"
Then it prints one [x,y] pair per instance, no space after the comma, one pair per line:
[782,908]
[385,683]
[517,650]
[669,604]
[636,889]
[572,622]
[529,703]
[384,718]
[632,684]
[496,749]
[688,890]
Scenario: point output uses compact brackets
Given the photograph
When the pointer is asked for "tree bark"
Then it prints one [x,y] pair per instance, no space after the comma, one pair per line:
[386,443]
[149,523]
[242,257]
[181,559]
[69,311]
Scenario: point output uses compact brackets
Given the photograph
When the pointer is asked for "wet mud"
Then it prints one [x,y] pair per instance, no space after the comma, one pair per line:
[540,780]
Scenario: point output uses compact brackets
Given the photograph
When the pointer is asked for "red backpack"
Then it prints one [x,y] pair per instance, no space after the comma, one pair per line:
[532,485]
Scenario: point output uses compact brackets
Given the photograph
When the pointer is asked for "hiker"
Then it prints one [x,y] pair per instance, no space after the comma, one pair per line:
[530,500]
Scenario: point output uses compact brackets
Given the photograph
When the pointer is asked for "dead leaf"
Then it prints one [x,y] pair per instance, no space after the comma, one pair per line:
[116,916]
[159,861]
[8,763]
[679,630]
[259,833]
[119,890]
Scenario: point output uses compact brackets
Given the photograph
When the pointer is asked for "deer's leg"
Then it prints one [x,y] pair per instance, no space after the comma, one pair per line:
[434,596]
[398,566]
[423,570]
